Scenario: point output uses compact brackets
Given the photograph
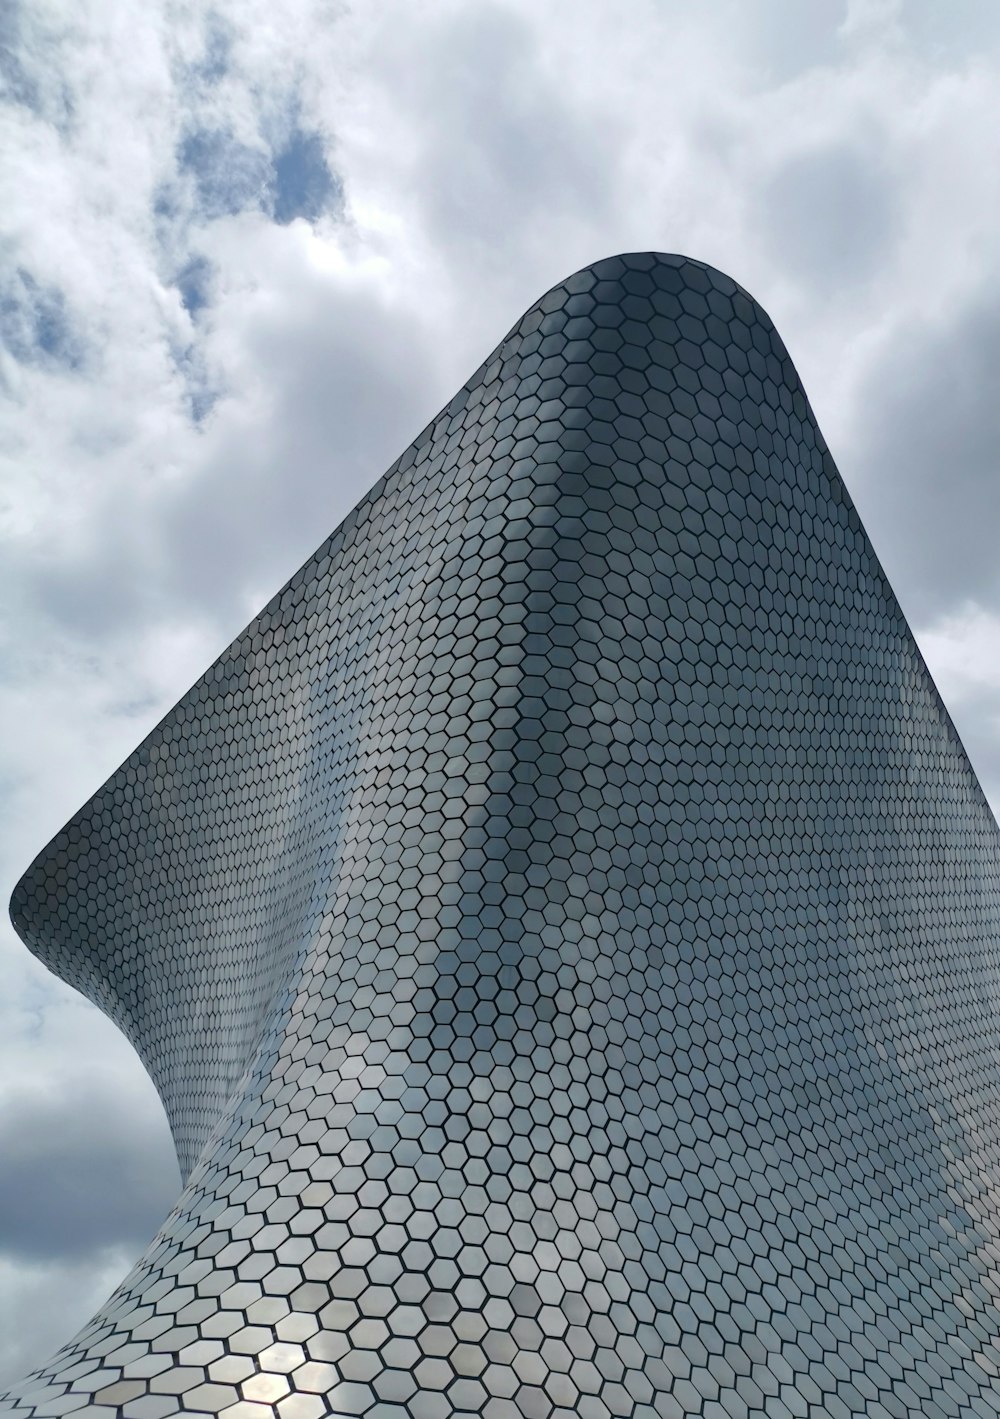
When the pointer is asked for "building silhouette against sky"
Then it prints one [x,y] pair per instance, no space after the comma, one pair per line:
[562,929]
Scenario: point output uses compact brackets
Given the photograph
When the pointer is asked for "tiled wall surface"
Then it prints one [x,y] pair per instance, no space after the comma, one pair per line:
[563,929]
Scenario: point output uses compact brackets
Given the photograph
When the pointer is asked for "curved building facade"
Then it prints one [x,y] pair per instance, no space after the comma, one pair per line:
[563,931]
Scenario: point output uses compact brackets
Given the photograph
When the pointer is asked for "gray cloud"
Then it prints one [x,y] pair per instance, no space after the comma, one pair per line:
[505,148]
[977,720]
[43,1305]
[964,30]
[831,214]
[784,40]
[81,1171]
[87,1171]
[927,455]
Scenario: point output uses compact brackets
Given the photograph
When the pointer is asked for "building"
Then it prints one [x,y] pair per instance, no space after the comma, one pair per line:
[563,930]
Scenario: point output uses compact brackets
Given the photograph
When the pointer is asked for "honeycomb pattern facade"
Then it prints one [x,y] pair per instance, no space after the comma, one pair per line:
[563,930]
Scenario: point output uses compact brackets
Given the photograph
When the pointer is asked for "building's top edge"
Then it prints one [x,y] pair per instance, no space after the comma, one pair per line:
[612,280]
[691,274]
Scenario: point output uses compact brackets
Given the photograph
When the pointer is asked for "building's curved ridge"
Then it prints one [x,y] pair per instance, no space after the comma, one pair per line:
[24,927]
[563,930]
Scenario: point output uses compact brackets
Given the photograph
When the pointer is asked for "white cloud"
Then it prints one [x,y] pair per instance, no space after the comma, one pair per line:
[963,653]
[962,650]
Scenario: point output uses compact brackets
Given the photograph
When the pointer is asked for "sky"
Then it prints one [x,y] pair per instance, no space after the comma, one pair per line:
[247,251]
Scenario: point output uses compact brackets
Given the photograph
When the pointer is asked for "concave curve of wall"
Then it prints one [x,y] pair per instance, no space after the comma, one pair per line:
[562,929]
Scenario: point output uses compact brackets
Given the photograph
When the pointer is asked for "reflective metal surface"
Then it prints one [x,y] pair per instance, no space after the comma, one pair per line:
[563,929]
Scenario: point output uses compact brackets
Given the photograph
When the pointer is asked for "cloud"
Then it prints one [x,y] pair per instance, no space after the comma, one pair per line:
[339,374]
[229,176]
[247,265]
[17,83]
[44,1304]
[27,36]
[214,60]
[327,374]
[87,1170]
[928,446]
[831,214]
[84,1167]
[962,650]
[35,325]
[194,283]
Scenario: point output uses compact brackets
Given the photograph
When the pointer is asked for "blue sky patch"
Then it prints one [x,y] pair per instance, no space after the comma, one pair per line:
[34,323]
[218,46]
[229,176]
[193,283]
[303,183]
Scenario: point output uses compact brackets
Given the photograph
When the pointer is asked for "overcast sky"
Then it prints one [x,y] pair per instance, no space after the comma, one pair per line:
[246,252]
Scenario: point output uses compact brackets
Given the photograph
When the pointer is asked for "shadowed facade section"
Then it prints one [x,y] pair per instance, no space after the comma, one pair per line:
[562,930]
